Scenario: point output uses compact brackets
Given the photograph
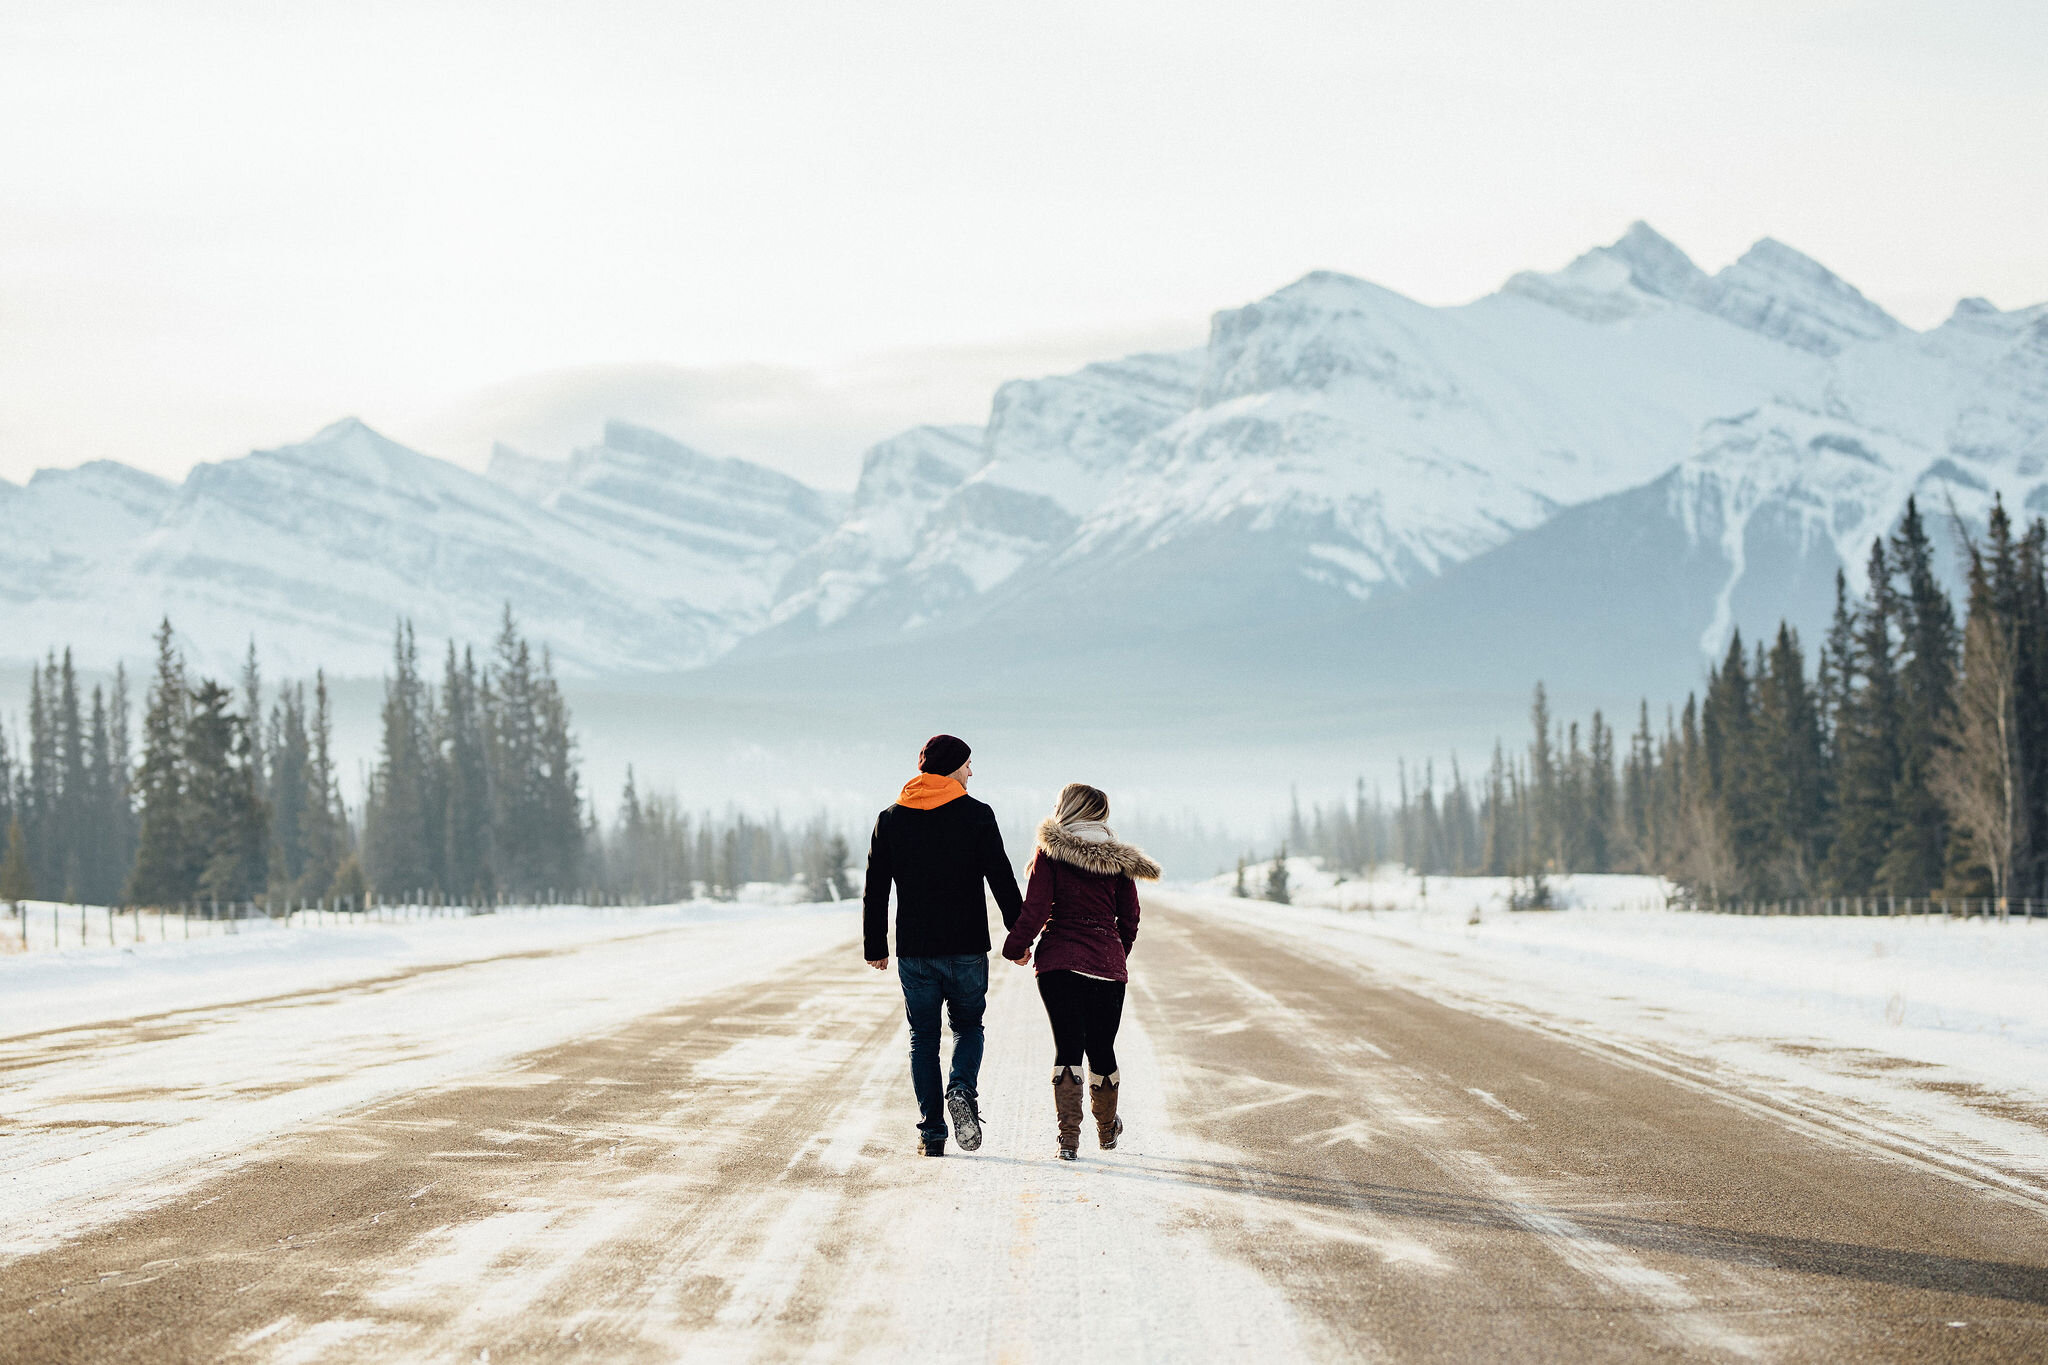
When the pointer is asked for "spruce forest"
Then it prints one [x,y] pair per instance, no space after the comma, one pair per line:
[1910,760]
[476,796]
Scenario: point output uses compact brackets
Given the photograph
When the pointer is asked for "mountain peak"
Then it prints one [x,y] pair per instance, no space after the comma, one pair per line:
[349,440]
[1611,282]
[340,430]
[1656,265]
[1786,294]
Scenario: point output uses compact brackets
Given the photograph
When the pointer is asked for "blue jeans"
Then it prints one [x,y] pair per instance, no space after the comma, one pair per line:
[961,983]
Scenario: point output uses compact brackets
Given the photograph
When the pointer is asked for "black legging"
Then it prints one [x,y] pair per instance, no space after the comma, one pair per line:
[1084,1012]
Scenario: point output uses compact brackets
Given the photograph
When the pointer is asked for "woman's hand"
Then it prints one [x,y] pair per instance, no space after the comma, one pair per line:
[1024,961]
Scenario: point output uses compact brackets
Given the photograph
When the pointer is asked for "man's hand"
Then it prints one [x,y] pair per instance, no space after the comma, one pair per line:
[1024,961]
[880,964]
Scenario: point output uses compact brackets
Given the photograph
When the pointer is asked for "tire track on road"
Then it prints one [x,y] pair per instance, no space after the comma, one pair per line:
[1614,1213]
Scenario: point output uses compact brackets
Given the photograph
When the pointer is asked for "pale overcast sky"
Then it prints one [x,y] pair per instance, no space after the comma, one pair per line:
[782,230]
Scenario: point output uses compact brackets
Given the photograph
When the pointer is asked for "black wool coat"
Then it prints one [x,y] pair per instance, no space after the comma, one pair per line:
[937,860]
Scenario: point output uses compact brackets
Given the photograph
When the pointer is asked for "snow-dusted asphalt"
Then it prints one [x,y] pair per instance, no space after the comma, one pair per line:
[1322,1162]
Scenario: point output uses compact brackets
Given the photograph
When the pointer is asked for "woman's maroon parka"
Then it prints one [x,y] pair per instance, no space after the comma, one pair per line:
[1082,896]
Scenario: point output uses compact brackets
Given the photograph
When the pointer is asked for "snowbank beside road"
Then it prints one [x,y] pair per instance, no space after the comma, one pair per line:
[1388,887]
[1873,981]
[1934,1025]
[46,990]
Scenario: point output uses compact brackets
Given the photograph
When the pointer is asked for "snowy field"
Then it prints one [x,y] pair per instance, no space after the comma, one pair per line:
[1930,1027]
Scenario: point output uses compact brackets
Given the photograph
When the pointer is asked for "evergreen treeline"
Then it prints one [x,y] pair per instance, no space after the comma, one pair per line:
[1910,760]
[657,853]
[66,811]
[476,795]
[229,806]
[224,804]
[476,789]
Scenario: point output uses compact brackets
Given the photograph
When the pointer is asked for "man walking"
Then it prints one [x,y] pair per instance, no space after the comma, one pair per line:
[938,845]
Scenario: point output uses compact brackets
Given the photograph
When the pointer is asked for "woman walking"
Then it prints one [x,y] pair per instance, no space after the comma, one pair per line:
[1082,896]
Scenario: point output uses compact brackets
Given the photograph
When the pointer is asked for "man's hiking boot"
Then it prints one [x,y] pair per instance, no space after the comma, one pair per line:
[1102,1093]
[966,1116]
[931,1146]
[1066,1104]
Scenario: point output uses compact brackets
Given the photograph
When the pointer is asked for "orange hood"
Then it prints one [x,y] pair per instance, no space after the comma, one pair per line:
[929,791]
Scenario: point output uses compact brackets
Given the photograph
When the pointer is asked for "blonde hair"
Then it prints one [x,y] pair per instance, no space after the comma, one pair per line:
[1079,801]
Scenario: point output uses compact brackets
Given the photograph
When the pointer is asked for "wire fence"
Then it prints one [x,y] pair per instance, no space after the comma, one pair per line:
[1946,907]
[49,925]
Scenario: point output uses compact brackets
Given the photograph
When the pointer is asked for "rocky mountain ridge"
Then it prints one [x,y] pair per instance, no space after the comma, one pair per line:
[1335,450]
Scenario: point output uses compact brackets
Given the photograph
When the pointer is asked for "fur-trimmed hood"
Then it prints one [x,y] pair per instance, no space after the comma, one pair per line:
[1106,859]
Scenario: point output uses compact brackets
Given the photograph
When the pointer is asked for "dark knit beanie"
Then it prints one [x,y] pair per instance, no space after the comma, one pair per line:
[942,754]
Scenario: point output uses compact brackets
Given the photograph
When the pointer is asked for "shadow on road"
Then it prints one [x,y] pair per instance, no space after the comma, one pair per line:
[1879,1265]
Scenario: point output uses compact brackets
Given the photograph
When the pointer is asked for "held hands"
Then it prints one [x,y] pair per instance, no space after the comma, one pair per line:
[1024,961]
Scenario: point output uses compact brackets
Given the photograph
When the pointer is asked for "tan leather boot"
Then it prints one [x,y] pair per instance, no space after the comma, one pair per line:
[1102,1093]
[1066,1103]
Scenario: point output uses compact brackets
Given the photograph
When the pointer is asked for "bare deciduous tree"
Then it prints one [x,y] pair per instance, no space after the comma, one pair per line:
[1978,776]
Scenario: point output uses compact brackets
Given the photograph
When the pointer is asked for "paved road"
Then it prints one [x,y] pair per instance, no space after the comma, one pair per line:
[1321,1163]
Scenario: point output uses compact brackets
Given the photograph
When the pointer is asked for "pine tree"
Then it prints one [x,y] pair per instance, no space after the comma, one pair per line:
[9,811]
[399,850]
[1916,856]
[516,779]
[635,841]
[252,708]
[1867,739]
[1667,797]
[43,791]
[1543,783]
[291,791]
[167,860]
[224,811]
[119,790]
[839,856]
[2029,627]
[1600,797]
[96,834]
[324,829]
[1728,742]
[1786,773]
[1429,829]
[465,759]
[561,813]
[1638,796]
[1496,855]
[74,794]
[1276,878]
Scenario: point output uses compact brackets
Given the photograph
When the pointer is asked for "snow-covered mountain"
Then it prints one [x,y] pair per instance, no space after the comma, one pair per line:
[902,482]
[708,537]
[971,516]
[634,555]
[1339,448]
[1341,474]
